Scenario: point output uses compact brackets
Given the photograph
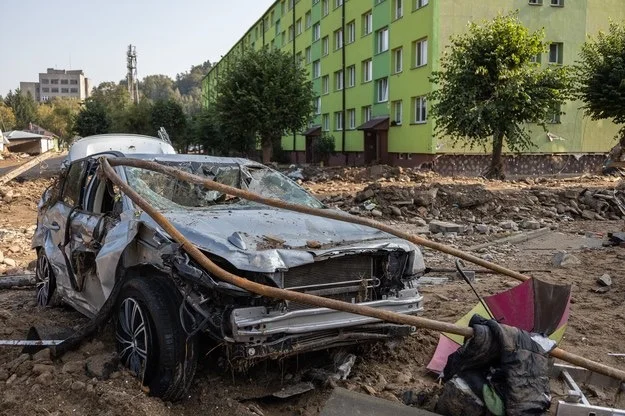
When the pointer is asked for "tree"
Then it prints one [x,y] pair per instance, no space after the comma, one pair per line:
[169,114]
[115,99]
[264,94]
[489,88]
[24,107]
[138,119]
[599,80]
[92,119]
[59,116]
[158,88]
[7,117]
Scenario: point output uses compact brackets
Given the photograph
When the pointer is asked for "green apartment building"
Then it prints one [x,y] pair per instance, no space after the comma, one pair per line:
[370,62]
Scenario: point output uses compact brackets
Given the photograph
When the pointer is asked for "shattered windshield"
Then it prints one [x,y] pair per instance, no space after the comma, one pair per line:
[168,193]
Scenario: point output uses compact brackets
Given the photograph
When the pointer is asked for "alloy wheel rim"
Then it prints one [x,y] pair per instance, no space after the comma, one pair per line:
[132,337]
[43,281]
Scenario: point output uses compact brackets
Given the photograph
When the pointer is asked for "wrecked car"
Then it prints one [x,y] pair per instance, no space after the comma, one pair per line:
[91,238]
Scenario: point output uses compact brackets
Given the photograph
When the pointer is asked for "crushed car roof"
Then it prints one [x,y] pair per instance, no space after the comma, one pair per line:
[123,143]
[179,157]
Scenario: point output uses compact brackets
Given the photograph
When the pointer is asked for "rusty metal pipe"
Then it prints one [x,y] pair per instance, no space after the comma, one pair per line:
[284,294]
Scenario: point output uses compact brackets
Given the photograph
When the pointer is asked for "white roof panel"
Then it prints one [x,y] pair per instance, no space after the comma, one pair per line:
[123,143]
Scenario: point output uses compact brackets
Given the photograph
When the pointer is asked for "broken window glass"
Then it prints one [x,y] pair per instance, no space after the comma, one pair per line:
[168,193]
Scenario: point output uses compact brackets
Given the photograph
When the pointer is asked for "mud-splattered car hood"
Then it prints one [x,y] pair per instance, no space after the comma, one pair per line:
[267,240]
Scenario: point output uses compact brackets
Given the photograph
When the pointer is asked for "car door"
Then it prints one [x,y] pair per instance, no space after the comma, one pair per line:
[55,220]
[76,236]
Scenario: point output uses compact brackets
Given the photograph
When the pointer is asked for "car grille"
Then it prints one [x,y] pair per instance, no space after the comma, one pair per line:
[348,278]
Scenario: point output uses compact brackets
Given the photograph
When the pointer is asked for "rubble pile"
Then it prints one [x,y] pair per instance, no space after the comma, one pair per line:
[14,245]
[358,174]
[488,211]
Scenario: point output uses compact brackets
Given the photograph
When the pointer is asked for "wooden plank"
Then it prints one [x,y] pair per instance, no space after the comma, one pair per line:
[25,167]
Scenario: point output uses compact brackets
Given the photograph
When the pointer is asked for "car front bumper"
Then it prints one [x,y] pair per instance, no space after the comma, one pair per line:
[262,333]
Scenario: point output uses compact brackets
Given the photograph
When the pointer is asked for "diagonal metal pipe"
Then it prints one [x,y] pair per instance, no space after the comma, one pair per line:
[277,293]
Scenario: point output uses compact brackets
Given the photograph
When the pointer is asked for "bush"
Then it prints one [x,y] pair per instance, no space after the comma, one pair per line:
[323,148]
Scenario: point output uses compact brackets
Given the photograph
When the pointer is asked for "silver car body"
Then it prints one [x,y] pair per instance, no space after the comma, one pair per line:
[99,245]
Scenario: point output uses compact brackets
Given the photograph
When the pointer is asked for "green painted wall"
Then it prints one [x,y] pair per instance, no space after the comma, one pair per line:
[435,22]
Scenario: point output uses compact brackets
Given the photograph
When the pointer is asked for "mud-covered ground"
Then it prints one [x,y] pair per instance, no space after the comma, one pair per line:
[70,385]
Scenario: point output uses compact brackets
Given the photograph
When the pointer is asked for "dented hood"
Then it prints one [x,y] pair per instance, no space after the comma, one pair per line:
[268,240]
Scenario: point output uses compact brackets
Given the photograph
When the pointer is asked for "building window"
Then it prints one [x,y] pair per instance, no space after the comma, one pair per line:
[397,112]
[421,53]
[351,76]
[399,8]
[325,84]
[291,33]
[536,2]
[338,80]
[351,31]
[367,23]
[382,90]
[55,90]
[308,55]
[65,90]
[316,69]
[381,37]
[338,120]
[366,113]
[325,45]
[317,105]
[555,53]
[351,119]
[44,89]
[45,81]
[64,82]
[73,90]
[536,58]
[420,3]
[557,3]
[338,39]
[291,4]
[298,27]
[308,19]
[555,116]
[316,32]
[398,60]
[420,110]
[325,121]
[338,3]
[325,5]
[54,81]
[367,70]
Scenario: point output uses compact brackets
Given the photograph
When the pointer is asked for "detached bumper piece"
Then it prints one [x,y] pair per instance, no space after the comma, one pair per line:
[262,333]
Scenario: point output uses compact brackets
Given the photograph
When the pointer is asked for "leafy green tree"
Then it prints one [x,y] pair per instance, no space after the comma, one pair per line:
[115,100]
[92,119]
[7,117]
[158,88]
[324,147]
[58,115]
[24,108]
[264,94]
[169,114]
[600,75]
[489,88]
[138,119]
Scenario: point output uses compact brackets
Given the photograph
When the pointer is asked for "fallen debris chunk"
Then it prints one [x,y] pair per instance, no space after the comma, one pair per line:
[294,390]
[445,227]
[604,289]
[564,259]
[605,280]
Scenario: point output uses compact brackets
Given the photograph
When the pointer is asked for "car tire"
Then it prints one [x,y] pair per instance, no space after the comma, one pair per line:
[45,281]
[150,339]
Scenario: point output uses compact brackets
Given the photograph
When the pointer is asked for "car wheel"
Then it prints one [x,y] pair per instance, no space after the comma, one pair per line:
[45,281]
[150,339]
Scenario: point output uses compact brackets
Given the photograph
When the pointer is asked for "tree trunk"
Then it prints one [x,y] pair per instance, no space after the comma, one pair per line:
[496,170]
[267,151]
[615,156]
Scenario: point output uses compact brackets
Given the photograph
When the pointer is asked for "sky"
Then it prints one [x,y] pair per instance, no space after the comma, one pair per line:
[93,35]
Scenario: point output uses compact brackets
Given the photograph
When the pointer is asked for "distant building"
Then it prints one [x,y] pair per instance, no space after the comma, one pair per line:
[58,83]
[23,142]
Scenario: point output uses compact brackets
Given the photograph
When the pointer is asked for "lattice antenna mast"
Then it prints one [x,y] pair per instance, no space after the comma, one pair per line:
[131,77]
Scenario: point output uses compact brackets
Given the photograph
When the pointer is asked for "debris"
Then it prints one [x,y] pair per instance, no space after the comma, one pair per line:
[445,227]
[605,280]
[294,390]
[564,259]
[513,239]
[313,244]
[604,289]
[101,366]
[616,239]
